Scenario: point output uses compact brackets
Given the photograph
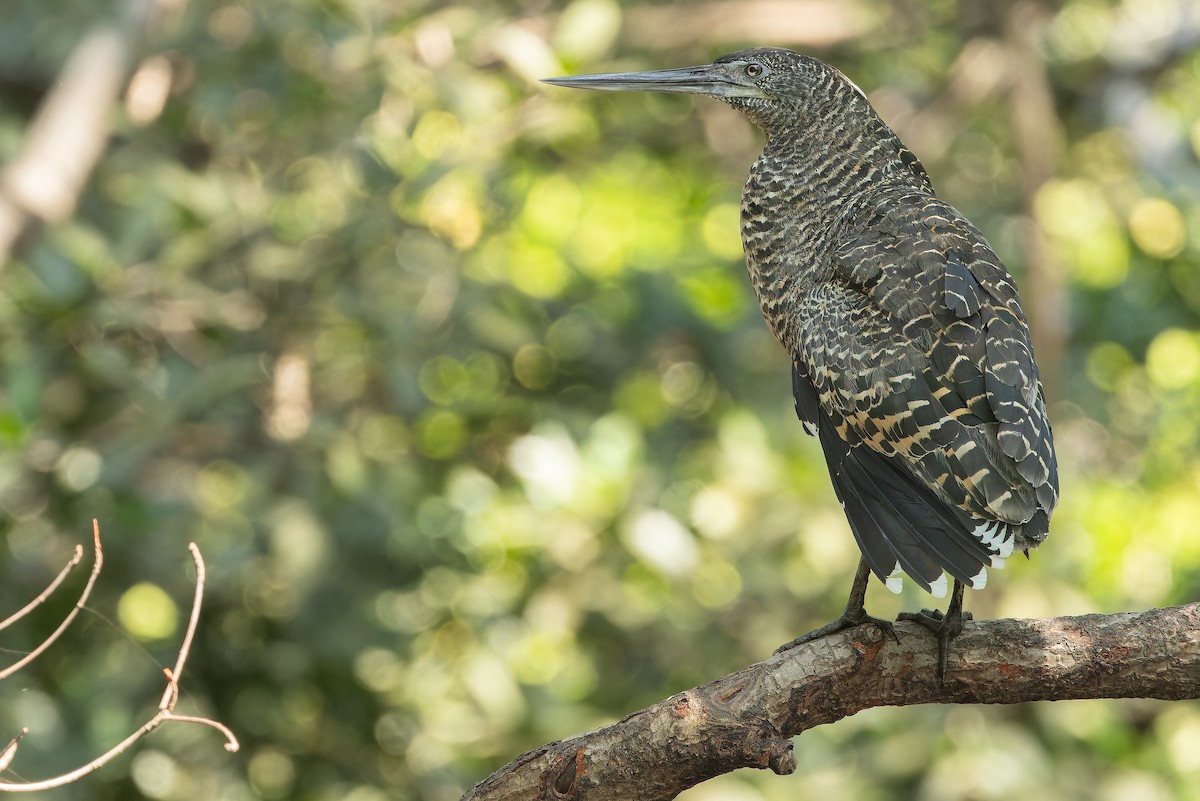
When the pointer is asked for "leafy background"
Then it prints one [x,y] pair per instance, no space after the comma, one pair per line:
[457,381]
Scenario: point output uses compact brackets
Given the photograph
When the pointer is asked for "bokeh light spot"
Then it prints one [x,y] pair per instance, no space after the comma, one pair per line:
[720,231]
[587,29]
[537,270]
[1173,359]
[441,434]
[147,612]
[155,774]
[1157,227]
[272,773]
[658,539]
[79,468]
[436,132]
[716,583]
[533,366]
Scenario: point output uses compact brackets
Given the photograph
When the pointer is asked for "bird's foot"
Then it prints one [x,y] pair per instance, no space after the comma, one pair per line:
[945,627]
[847,620]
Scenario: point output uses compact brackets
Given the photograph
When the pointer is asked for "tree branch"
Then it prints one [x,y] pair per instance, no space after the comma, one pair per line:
[747,719]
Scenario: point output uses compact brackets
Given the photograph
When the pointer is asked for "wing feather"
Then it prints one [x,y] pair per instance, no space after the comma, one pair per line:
[916,357]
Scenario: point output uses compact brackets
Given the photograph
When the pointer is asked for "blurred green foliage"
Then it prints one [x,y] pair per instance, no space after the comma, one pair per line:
[458,383]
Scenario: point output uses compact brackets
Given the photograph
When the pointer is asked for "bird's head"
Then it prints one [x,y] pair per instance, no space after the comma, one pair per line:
[775,88]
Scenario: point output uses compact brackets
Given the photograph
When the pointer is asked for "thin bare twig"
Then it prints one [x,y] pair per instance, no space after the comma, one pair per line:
[46,593]
[10,750]
[166,708]
[83,597]
[171,694]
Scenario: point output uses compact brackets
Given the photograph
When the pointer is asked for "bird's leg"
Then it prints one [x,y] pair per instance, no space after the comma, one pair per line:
[945,627]
[854,614]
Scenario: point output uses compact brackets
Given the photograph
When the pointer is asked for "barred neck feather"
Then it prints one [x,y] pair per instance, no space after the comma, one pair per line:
[821,166]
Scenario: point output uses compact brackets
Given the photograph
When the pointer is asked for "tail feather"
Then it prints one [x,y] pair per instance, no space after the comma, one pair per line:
[886,539]
[944,532]
[897,522]
[885,534]
[867,532]
[895,528]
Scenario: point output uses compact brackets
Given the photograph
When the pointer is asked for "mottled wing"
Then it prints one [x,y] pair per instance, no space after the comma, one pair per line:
[919,354]
[898,521]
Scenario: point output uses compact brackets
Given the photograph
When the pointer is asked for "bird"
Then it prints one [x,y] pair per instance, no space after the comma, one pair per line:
[912,361]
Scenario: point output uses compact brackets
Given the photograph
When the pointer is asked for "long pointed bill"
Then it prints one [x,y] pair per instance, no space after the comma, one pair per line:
[715,80]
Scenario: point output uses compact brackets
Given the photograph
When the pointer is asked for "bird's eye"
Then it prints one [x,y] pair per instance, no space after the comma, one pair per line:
[754,70]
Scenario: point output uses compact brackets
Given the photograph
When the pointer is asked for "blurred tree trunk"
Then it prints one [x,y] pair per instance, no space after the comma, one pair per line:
[1039,145]
[69,133]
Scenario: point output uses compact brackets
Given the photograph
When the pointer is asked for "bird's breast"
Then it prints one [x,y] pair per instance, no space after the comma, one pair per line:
[788,242]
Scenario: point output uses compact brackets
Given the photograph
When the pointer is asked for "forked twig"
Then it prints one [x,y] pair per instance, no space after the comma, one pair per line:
[166,707]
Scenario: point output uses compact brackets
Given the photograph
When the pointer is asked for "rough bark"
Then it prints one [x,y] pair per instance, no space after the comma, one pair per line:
[747,719]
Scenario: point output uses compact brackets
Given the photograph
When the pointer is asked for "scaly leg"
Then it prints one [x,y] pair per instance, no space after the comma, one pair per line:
[855,614]
[945,627]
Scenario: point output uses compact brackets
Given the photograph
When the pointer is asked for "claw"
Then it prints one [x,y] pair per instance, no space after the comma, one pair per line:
[855,614]
[945,627]
[847,620]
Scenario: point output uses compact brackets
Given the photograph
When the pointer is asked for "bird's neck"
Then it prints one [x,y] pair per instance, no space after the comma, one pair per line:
[833,163]
[803,198]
